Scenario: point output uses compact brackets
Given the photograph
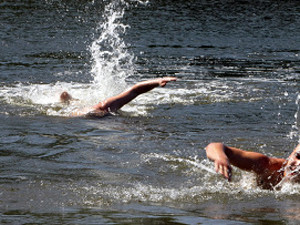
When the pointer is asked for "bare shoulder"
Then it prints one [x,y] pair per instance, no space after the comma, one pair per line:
[272,175]
[276,163]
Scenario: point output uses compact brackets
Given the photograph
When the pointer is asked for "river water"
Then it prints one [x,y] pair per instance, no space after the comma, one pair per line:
[238,69]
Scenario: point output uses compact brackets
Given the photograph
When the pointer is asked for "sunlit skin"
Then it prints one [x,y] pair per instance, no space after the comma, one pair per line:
[114,103]
[270,171]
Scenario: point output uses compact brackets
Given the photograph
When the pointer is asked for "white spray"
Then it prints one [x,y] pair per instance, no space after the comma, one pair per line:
[112,62]
[295,132]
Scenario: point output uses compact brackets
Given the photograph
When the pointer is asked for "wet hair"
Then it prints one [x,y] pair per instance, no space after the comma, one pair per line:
[65,97]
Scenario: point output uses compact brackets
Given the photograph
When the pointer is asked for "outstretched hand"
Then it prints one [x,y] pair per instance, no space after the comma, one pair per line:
[163,81]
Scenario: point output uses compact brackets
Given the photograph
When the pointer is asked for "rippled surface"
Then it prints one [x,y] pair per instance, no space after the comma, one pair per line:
[238,69]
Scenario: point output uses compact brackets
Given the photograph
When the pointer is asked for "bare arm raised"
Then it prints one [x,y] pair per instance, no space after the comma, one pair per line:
[116,102]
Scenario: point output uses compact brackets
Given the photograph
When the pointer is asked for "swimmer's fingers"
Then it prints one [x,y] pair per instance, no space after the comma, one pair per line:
[165,80]
[224,169]
[228,173]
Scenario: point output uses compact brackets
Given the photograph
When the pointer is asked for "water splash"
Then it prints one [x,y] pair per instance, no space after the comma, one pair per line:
[207,185]
[112,62]
[295,132]
[286,189]
[191,162]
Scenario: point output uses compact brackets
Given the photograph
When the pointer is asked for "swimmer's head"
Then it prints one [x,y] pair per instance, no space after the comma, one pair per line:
[65,97]
[292,168]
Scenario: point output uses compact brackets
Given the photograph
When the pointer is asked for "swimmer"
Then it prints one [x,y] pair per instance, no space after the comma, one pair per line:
[114,103]
[270,171]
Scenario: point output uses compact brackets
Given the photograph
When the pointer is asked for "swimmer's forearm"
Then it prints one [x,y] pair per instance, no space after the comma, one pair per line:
[145,86]
[116,102]
[216,151]
[245,160]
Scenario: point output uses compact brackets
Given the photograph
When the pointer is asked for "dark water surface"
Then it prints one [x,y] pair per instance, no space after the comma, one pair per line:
[238,70]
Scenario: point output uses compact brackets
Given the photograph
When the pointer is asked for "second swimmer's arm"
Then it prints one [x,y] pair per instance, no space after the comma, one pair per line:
[116,102]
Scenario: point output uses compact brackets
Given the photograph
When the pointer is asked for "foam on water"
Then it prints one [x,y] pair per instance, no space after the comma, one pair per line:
[46,96]
[207,185]
[191,162]
[288,189]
